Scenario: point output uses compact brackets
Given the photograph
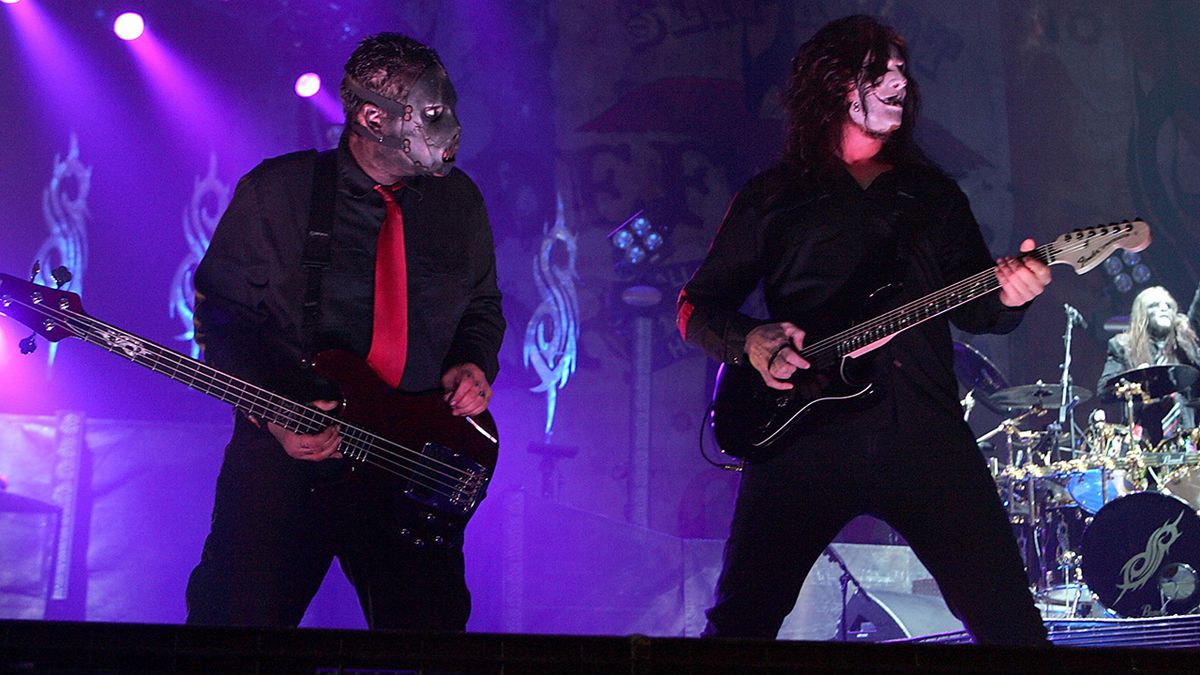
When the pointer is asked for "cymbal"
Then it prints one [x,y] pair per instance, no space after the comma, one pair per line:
[1156,381]
[1036,396]
[975,371]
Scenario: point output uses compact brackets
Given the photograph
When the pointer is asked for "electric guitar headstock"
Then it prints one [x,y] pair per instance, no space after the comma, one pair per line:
[1087,247]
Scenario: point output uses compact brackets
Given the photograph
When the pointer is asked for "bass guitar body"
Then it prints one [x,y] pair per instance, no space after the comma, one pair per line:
[426,490]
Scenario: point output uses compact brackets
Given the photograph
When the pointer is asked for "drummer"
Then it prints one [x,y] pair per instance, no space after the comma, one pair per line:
[1158,335]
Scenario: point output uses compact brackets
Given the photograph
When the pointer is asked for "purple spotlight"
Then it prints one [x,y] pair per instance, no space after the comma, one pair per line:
[129,26]
[10,2]
[307,85]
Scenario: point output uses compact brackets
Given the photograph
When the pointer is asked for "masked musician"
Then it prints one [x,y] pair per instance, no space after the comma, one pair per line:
[853,205]
[1158,335]
[380,248]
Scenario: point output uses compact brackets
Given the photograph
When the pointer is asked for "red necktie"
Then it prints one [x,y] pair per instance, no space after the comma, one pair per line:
[389,339]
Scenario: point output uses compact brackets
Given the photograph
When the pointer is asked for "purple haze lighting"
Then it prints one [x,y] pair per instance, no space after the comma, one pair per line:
[53,58]
[329,107]
[129,26]
[308,84]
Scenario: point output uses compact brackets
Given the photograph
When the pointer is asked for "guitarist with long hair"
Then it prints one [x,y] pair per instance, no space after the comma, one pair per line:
[853,207]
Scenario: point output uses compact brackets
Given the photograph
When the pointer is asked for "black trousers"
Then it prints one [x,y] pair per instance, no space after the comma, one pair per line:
[924,476]
[276,527]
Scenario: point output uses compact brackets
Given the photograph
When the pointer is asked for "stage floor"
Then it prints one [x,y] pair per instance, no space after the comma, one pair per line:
[1091,646]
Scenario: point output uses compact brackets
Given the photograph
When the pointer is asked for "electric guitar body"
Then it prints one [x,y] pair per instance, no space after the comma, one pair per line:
[752,416]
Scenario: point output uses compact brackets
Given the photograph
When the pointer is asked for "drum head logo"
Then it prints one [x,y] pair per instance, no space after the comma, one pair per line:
[1142,566]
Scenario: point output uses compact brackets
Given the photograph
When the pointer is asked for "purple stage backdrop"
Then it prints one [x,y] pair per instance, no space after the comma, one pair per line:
[603,518]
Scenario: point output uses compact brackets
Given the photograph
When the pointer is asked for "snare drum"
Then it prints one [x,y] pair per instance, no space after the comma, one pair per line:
[1141,555]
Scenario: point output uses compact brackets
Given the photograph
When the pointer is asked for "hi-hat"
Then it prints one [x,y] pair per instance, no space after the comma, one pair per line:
[1037,396]
[1155,381]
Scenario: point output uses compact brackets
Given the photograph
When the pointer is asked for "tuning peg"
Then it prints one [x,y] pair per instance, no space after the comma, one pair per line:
[37,269]
[28,345]
[61,275]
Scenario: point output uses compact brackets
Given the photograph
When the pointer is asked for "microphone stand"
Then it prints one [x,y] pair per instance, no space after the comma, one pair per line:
[1066,407]
[846,579]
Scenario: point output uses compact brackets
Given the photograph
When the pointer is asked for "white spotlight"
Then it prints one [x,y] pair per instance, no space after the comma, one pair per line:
[129,26]
[308,85]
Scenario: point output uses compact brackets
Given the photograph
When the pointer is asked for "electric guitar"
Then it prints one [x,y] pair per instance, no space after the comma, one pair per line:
[749,418]
[433,467]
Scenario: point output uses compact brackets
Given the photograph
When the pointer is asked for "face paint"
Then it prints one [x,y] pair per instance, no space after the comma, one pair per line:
[422,126]
[878,107]
[1160,312]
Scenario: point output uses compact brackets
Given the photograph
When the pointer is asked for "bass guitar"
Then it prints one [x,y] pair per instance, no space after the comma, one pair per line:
[433,466]
[749,418]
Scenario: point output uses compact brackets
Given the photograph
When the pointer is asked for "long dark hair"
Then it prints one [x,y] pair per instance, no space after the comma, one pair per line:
[1137,338]
[822,71]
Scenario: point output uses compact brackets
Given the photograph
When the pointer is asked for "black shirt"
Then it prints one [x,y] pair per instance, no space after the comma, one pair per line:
[819,246]
[250,284]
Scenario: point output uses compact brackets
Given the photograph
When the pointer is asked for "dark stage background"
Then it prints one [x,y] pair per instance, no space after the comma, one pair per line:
[576,116]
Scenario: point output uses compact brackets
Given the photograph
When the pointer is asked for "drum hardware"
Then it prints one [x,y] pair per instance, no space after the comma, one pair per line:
[1017,436]
[1177,582]
[1069,398]
[1038,403]
[1140,553]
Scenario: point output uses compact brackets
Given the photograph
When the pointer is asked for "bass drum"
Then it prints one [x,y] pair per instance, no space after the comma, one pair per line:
[1141,555]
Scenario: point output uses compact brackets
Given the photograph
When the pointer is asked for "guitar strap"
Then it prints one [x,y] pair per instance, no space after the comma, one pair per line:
[317,245]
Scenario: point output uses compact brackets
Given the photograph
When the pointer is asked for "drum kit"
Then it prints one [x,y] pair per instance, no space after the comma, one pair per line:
[1106,523]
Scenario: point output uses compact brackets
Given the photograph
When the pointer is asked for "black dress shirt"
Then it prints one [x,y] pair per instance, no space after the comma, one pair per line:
[819,246]
[250,284]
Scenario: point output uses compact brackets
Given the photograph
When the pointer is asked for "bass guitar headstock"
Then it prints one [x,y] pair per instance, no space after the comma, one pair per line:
[44,310]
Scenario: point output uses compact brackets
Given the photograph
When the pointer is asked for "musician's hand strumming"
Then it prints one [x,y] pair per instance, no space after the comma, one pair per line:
[774,351]
[467,389]
[310,447]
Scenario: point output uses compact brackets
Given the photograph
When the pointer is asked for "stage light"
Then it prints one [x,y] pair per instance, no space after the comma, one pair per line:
[1127,269]
[1113,266]
[638,244]
[308,85]
[10,2]
[129,26]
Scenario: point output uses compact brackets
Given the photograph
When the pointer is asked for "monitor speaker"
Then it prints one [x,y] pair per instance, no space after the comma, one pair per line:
[879,616]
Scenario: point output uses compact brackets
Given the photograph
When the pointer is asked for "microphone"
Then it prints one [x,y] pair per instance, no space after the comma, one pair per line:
[1075,317]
